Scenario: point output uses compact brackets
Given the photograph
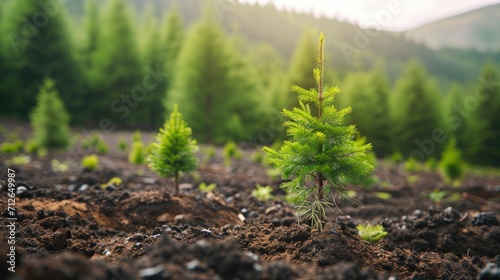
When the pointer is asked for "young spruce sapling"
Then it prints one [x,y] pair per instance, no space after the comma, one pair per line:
[320,153]
[174,150]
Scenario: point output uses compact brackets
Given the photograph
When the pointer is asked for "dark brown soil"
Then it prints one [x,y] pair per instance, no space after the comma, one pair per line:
[140,230]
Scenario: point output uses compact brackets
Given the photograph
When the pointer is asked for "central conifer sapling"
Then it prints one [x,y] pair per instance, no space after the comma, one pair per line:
[174,150]
[320,153]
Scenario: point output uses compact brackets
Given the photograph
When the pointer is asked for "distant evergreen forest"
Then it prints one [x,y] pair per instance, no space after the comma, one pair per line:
[229,67]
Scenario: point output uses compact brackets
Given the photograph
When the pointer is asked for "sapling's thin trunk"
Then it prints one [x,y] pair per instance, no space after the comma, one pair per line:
[319,177]
[177,182]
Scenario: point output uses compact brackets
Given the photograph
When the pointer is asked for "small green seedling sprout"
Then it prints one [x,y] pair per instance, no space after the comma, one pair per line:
[137,154]
[31,147]
[351,193]
[412,178]
[207,188]
[102,148]
[174,150]
[209,153]
[231,152]
[115,181]
[262,193]
[259,157]
[397,157]
[58,166]
[383,195]
[11,148]
[19,160]
[320,153]
[452,165]
[122,144]
[370,233]
[431,164]
[437,196]
[413,166]
[91,142]
[137,136]
[90,162]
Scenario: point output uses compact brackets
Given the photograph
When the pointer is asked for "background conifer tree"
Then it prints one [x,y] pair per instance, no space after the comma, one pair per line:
[151,50]
[37,49]
[172,38]
[301,65]
[320,153]
[49,119]
[91,33]
[415,110]
[117,68]
[379,134]
[212,85]
[487,117]
[174,150]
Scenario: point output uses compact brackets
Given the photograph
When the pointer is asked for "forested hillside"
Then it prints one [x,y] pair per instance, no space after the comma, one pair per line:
[472,30]
[124,64]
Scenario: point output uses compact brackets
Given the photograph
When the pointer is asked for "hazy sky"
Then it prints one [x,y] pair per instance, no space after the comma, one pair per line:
[404,14]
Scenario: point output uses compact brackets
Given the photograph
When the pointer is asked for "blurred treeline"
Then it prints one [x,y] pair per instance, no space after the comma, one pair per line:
[123,64]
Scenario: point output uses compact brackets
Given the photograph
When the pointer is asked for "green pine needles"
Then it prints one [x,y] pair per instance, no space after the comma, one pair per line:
[320,153]
[174,150]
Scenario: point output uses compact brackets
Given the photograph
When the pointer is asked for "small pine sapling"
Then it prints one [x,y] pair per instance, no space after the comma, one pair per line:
[174,150]
[320,153]
[452,165]
[50,120]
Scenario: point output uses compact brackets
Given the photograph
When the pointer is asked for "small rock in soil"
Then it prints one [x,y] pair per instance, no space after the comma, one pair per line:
[83,188]
[418,213]
[252,215]
[485,219]
[150,181]
[490,272]
[21,190]
[154,273]
[185,186]
[450,214]
[193,265]
[271,210]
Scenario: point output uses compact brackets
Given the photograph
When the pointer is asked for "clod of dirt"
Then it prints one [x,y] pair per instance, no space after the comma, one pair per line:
[485,219]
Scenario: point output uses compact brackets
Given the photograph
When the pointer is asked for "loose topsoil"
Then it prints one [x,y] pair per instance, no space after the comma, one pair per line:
[70,226]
